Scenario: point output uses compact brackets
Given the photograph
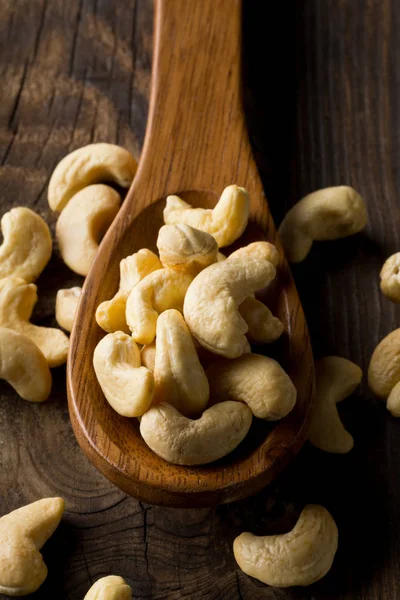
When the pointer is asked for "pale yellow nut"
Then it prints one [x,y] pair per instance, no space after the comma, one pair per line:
[390,278]
[179,377]
[66,304]
[226,222]
[17,299]
[127,386]
[211,307]
[336,379]
[300,557]
[393,401]
[83,223]
[159,291]
[148,356]
[258,381]
[326,214]
[384,366]
[183,247]
[95,163]
[184,441]
[22,534]
[23,366]
[109,588]
[220,257]
[261,250]
[27,244]
[110,314]
[263,327]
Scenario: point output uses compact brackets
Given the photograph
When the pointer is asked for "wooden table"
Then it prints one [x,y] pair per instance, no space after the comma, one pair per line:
[322,96]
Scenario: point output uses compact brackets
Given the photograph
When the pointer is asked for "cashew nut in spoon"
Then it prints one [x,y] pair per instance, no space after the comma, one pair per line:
[66,304]
[109,588]
[183,247]
[263,327]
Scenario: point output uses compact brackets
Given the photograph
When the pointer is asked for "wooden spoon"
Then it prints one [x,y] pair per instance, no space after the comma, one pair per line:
[196,144]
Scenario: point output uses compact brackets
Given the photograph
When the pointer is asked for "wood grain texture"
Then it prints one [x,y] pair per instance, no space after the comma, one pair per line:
[324,112]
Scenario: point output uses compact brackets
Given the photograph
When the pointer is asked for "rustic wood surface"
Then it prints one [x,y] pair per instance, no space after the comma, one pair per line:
[322,96]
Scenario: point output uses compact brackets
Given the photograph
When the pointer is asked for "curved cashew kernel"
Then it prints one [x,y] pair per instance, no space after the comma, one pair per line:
[182,441]
[326,214]
[226,222]
[393,401]
[83,223]
[300,557]
[66,305]
[183,247]
[91,164]
[336,379]
[127,386]
[110,314]
[390,278]
[263,327]
[212,300]
[24,366]
[22,534]
[179,377]
[17,299]
[384,366]
[109,588]
[260,250]
[159,291]
[27,244]
[148,356]
[258,381]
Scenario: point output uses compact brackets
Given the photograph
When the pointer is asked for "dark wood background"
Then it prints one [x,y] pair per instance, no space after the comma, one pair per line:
[323,104]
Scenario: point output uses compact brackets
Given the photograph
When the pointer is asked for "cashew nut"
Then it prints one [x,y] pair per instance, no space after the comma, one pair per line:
[22,534]
[226,222]
[300,557]
[17,299]
[384,366]
[212,300]
[326,214]
[66,305]
[182,441]
[159,291]
[127,386]
[260,250]
[390,278]
[178,375]
[91,164]
[109,588]
[183,247]
[24,367]
[258,381]
[393,401]
[336,379]
[148,356]
[27,244]
[82,224]
[263,327]
[110,314]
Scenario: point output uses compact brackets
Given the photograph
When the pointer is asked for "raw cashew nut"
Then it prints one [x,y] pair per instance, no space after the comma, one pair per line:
[27,244]
[66,305]
[24,366]
[148,356]
[181,441]
[109,588]
[260,250]
[110,314]
[384,367]
[22,534]
[183,247]
[300,557]
[127,386]
[393,401]
[390,278]
[336,379]
[212,300]
[178,375]
[326,214]
[258,381]
[159,291]
[94,163]
[83,223]
[226,222]
[17,299]
[263,327]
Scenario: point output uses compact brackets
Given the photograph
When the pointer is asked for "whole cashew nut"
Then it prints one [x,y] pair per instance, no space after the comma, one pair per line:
[17,299]
[27,244]
[182,441]
[326,214]
[127,386]
[260,250]
[263,327]
[393,401]
[226,222]
[24,367]
[336,379]
[82,224]
[66,305]
[384,366]
[390,278]
[148,356]
[22,534]
[183,247]
[109,588]
[91,164]
[300,557]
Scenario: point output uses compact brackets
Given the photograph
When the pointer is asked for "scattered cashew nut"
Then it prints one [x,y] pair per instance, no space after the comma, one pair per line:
[66,305]
[393,401]
[263,327]
[109,588]
[183,247]
[390,278]
[384,371]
